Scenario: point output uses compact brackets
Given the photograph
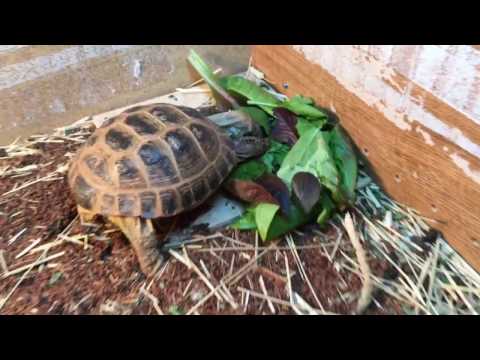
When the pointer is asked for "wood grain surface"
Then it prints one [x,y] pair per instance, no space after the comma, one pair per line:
[424,148]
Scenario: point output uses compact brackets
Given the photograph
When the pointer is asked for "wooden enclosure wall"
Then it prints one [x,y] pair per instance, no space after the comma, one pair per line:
[414,112]
[47,86]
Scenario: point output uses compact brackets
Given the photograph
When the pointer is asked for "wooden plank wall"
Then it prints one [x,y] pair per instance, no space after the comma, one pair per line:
[414,113]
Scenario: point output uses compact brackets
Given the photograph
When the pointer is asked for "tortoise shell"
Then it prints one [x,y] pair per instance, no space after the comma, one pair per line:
[151,161]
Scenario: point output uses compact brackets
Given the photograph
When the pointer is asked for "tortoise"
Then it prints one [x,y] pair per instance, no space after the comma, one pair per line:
[153,162]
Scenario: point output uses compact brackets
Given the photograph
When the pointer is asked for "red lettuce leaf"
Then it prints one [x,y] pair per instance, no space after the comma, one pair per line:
[306,190]
[250,192]
[278,189]
[285,130]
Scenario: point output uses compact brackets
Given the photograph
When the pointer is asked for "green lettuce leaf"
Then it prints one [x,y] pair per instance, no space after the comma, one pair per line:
[347,165]
[281,225]
[276,226]
[264,214]
[328,207]
[275,156]
[249,170]
[305,107]
[311,154]
[252,92]
[303,124]
[247,221]
[212,80]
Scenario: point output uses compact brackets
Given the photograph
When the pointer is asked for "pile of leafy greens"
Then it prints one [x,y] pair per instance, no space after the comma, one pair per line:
[310,169]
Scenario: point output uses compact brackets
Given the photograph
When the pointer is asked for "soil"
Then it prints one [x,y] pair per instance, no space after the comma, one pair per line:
[105,277]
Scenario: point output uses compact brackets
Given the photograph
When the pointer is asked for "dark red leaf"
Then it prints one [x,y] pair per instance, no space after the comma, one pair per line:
[285,130]
[289,117]
[250,192]
[266,189]
[278,189]
[306,190]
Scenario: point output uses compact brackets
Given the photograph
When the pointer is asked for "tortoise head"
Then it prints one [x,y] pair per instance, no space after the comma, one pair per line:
[250,146]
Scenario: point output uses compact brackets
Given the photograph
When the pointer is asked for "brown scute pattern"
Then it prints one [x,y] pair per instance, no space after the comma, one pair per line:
[168,200]
[169,114]
[187,154]
[91,161]
[207,140]
[151,153]
[141,124]
[160,168]
[151,161]
[118,140]
[126,204]
[186,196]
[84,193]
[148,201]
[213,179]
[200,190]
[190,112]
[129,176]
[98,167]
[223,167]
[158,177]
[108,204]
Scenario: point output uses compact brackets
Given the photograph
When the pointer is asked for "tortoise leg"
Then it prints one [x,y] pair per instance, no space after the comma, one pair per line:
[86,216]
[142,236]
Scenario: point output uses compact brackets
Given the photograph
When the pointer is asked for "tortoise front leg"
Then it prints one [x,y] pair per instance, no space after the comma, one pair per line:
[142,236]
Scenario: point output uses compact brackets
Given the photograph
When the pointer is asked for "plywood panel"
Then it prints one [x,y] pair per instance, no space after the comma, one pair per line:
[45,86]
[412,115]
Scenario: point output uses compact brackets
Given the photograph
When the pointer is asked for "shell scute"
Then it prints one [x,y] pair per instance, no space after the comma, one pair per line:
[168,201]
[200,190]
[148,202]
[186,196]
[151,161]
[108,204]
[188,155]
[159,166]
[118,140]
[169,114]
[84,193]
[141,124]
[129,176]
[127,204]
[207,139]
